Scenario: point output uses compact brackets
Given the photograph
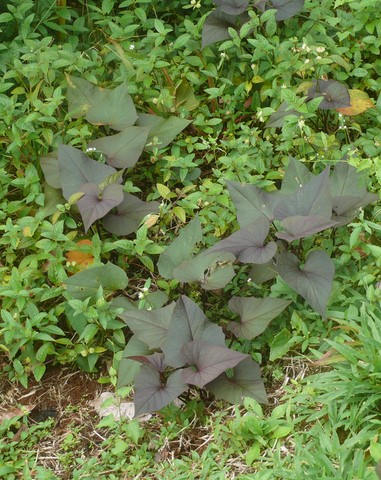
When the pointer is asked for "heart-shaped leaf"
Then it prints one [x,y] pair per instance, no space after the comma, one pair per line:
[152,393]
[212,270]
[251,202]
[255,314]
[86,283]
[296,175]
[287,8]
[188,323]
[300,226]
[81,95]
[313,280]
[313,198]
[123,149]
[245,381]
[96,204]
[262,273]
[76,169]
[207,361]
[155,360]
[129,214]
[248,243]
[232,7]
[113,107]
[360,103]
[335,94]
[128,369]
[150,326]
[217,24]
[49,166]
[180,249]
[162,130]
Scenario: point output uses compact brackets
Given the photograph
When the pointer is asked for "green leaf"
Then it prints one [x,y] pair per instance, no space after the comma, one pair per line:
[313,281]
[86,283]
[128,368]
[81,95]
[123,149]
[255,314]
[184,95]
[180,249]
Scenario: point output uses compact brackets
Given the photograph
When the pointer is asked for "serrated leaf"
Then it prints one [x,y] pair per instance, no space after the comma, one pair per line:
[150,326]
[255,314]
[246,381]
[180,249]
[76,169]
[313,281]
[248,245]
[152,394]
[188,323]
[123,149]
[114,108]
[207,361]
[165,130]
[130,213]
[95,204]
[86,283]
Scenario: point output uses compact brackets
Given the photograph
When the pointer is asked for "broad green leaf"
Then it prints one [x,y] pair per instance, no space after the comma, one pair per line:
[313,281]
[255,314]
[96,204]
[180,249]
[150,392]
[114,108]
[162,130]
[207,361]
[76,169]
[184,96]
[87,282]
[245,381]
[248,245]
[123,149]
[251,202]
[212,270]
[150,326]
[189,323]
[81,95]
[130,212]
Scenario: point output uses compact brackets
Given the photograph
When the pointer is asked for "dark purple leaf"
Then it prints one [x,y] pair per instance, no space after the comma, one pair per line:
[207,361]
[245,381]
[262,273]
[296,174]
[153,392]
[303,226]
[212,270]
[96,204]
[255,314]
[248,243]
[335,94]
[286,8]
[251,202]
[313,280]
[130,212]
[217,24]
[76,169]
[189,323]
[232,7]
[123,149]
[311,199]
[150,326]
[155,360]
[113,107]
[277,118]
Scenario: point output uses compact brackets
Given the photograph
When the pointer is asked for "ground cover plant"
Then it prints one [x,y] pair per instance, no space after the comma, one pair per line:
[189,210]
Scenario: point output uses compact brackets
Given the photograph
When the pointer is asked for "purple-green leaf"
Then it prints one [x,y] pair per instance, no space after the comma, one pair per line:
[128,369]
[188,323]
[286,8]
[232,7]
[152,392]
[277,118]
[81,95]
[129,213]
[300,226]
[313,280]
[114,108]
[123,149]
[335,94]
[150,326]
[96,203]
[49,166]
[245,381]
[217,24]
[248,245]
[162,130]
[296,174]
[255,314]
[262,273]
[207,361]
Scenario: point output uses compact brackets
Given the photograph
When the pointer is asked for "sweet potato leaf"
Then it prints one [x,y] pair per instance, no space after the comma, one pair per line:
[128,369]
[232,7]
[300,226]
[255,314]
[276,119]
[335,94]
[217,24]
[188,323]
[81,95]
[313,280]
[245,381]
[49,166]
[360,103]
[286,8]
[207,361]
[262,273]
[296,174]
[162,130]
[123,149]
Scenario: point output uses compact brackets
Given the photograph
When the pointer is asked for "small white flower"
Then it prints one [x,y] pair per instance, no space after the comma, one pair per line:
[320,49]
[91,149]
[132,47]
[307,60]
[301,124]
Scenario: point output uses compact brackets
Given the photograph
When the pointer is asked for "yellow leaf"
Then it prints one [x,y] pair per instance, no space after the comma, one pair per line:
[360,102]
